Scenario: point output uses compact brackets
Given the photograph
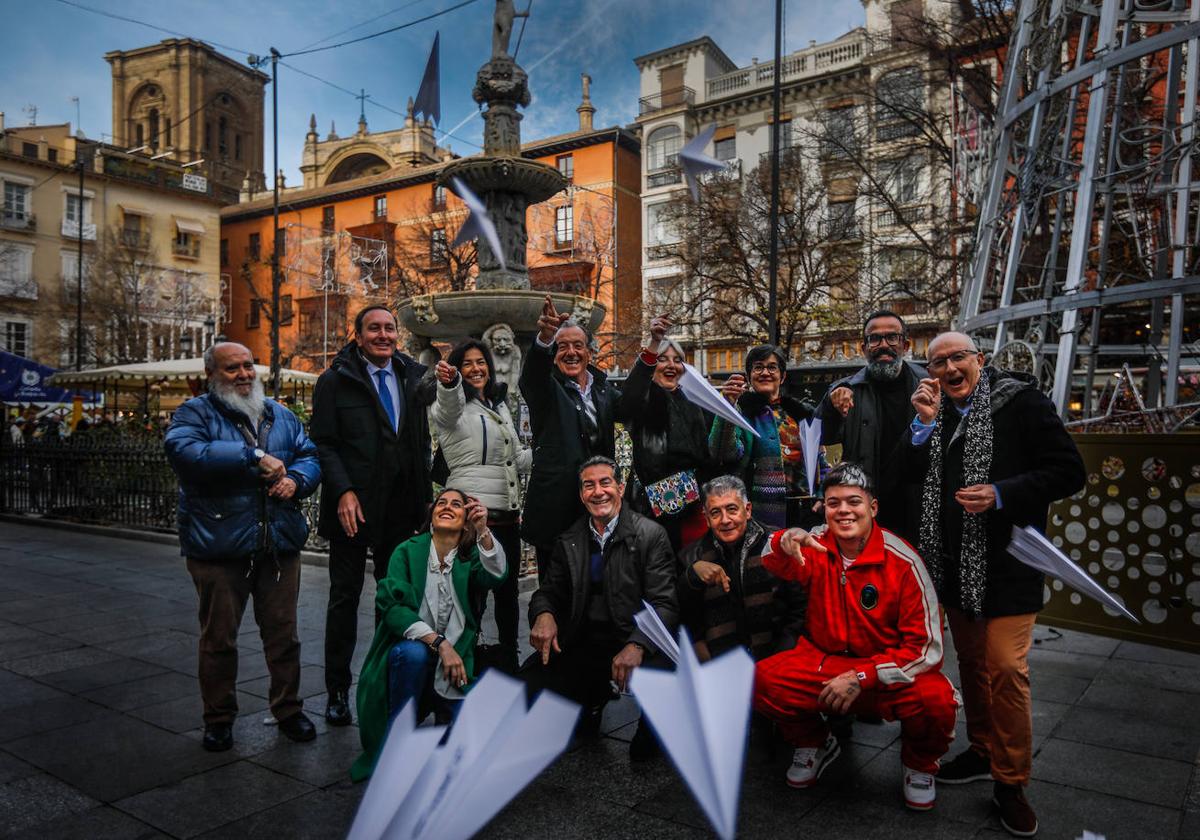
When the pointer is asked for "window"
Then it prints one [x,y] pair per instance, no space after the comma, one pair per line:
[16,203]
[16,271]
[167,130]
[133,234]
[224,252]
[52,154]
[439,195]
[281,242]
[327,219]
[16,337]
[72,209]
[725,149]
[438,252]
[153,120]
[785,134]
[254,314]
[899,103]
[222,136]
[842,222]
[29,150]
[566,166]
[69,265]
[840,138]
[662,147]
[286,310]
[187,244]
[904,177]
[564,225]
[237,146]
[659,230]
[381,207]
[254,246]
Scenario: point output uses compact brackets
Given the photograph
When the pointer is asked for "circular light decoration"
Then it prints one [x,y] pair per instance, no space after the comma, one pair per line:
[1113,559]
[1113,491]
[1154,611]
[1154,469]
[1153,493]
[1192,544]
[1112,467]
[1113,513]
[1192,495]
[1154,563]
[1075,532]
[1154,516]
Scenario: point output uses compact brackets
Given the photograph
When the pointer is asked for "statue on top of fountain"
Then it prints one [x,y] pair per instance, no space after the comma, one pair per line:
[503,25]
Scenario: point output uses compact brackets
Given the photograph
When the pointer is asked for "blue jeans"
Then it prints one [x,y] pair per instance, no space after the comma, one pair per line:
[411,667]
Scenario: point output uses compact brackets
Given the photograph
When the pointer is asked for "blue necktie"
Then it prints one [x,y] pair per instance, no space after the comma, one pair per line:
[385,396]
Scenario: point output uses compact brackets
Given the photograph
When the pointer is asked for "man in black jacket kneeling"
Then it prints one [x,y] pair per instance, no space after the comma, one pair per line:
[581,617]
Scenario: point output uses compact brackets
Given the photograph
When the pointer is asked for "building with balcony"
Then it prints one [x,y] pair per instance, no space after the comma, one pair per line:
[849,111]
[147,230]
[371,225]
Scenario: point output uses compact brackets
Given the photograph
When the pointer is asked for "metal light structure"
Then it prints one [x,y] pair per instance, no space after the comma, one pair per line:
[1088,217]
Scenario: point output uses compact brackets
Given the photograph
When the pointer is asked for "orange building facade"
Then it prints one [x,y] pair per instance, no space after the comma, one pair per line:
[383,237]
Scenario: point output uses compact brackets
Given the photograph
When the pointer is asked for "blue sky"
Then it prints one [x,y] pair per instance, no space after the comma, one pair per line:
[53,51]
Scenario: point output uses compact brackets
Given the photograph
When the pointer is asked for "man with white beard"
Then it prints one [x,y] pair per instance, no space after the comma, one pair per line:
[243,463]
[869,413]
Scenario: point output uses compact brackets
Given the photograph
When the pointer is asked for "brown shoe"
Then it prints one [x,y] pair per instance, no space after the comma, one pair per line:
[968,766]
[1016,816]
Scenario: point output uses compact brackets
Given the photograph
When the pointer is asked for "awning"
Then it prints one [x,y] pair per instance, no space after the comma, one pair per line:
[190,226]
[134,210]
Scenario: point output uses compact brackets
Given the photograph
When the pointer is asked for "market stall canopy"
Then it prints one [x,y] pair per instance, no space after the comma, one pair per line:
[25,381]
[179,370]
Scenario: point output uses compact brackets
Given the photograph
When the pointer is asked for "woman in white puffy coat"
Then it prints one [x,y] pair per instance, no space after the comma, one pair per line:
[484,456]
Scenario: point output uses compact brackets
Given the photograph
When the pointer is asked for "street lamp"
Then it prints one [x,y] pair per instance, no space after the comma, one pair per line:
[185,344]
[210,326]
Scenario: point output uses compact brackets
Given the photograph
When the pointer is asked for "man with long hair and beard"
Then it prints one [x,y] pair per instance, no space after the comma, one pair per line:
[869,413]
[243,464]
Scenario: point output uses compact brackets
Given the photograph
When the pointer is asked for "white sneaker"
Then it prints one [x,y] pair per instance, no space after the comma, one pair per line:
[808,763]
[920,791]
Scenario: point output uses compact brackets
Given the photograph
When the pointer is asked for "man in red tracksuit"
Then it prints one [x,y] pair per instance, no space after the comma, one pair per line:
[874,642]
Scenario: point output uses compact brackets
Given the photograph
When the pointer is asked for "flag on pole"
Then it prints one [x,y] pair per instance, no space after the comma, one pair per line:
[429,97]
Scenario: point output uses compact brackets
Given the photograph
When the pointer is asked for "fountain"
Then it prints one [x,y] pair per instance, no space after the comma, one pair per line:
[508,184]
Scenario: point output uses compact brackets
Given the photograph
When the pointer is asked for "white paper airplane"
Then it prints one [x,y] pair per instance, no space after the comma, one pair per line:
[810,440]
[479,223]
[1033,549]
[648,622]
[697,389]
[420,786]
[702,714]
[694,162]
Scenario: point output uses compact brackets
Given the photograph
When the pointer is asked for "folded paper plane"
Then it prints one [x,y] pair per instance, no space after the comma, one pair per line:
[694,162]
[494,750]
[702,715]
[479,223]
[697,389]
[810,439]
[649,623]
[1033,549]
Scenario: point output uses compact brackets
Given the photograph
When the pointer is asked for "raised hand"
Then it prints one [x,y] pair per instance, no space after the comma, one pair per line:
[842,399]
[445,372]
[926,400]
[658,330]
[550,321]
[734,387]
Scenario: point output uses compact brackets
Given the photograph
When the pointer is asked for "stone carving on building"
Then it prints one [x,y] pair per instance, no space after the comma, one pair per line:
[423,310]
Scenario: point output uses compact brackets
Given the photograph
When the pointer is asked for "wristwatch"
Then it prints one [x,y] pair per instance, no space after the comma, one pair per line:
[259,455]
[436,644]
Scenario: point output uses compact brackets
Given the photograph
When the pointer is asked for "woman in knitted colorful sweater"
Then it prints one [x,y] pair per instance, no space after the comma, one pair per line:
[772,464]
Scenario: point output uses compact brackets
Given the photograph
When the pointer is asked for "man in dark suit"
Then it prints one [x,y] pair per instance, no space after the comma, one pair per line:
[372,433]
[571,413]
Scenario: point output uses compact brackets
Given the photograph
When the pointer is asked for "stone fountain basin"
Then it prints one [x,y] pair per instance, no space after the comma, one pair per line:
[452,315]
[536,181]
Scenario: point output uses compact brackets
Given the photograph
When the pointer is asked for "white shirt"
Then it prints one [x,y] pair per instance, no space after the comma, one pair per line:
[440,610]
[585,390]
[608,531]
[393,388]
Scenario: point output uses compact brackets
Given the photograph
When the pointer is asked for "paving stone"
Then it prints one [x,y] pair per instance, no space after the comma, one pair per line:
[185,808]
[548,810]
[117,759]
[316,816]
[46,714]
[12,768]
[101,674]
[1108,693]
[1134,731]
[1171,677]
[33,799]
[865,818]
[1142,778]
[319,763]
[147,691]
[16,690]
[1057,688]
[1065,811]
[1072,641]
[1150,653]
[103,823]
[312,682]
[251,735]
[185,713]
[1064,663]
[63,660]
[31,645]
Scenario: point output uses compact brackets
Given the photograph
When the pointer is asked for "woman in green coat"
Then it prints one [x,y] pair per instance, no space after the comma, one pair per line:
[424,645]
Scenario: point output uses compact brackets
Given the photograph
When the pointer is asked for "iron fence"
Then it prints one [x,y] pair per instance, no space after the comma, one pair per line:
[102,479]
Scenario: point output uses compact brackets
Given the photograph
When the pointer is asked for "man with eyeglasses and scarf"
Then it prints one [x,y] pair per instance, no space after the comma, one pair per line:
[869,413]
[990,452]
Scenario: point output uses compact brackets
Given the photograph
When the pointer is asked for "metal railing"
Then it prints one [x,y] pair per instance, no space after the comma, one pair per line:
[18,220]
[102,478]
[666,99]
[813,61]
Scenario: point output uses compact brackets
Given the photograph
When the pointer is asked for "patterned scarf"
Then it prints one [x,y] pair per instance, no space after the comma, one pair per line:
[977,464]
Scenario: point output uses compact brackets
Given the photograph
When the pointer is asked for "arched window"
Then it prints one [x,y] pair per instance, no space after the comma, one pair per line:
[139,132]
[167,131]
[662,147]
[222,136]
[237,146]
[153,120]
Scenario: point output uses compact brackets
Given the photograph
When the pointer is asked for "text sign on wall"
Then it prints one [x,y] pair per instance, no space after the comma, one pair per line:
[195,182]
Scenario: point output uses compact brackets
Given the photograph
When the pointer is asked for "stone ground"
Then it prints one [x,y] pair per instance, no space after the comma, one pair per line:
[100,732]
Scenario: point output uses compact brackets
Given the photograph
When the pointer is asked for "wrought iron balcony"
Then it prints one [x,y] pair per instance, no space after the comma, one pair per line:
[663,177]
[902,216]
[666,99]
[18,220]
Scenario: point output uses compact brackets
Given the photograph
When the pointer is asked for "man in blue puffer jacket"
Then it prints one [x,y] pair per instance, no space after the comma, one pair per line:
[243,462]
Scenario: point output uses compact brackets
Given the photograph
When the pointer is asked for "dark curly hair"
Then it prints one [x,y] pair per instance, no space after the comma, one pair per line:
[491,391]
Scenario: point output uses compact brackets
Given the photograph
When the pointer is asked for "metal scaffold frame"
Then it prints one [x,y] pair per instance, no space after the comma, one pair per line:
[1089,219]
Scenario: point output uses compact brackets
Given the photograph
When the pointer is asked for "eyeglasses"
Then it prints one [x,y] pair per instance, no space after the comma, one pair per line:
[895,339]
[958,357]
[759,367]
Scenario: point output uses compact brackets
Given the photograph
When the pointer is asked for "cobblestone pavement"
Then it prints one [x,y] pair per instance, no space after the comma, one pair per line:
[100,732]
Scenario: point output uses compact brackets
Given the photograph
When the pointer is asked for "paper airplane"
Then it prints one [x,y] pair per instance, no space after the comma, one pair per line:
[702,714]
[429,97]
[494,750]
[648,622]
[694,162]
[696,388]
[1033,549]
[810,441]
[479,223]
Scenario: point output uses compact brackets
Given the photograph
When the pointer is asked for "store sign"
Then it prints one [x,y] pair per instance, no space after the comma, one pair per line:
[195,182]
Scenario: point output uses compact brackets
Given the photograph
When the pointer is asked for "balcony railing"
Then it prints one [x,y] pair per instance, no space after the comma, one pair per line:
[787,155]
[660,252]
[663,177]
[70,230]
[135,239]
[901,217]
[666,99]
[18,220]
[811,62]
[189,249]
